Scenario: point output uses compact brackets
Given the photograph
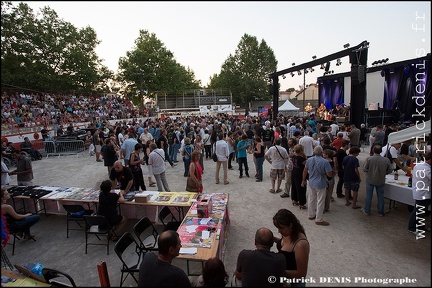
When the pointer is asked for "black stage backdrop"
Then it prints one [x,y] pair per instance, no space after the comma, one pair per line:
[331,92]
[402,84]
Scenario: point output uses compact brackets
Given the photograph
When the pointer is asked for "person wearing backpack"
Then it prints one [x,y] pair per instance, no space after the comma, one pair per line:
[391,151]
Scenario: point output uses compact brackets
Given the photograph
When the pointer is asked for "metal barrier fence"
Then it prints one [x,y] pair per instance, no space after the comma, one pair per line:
[64,147]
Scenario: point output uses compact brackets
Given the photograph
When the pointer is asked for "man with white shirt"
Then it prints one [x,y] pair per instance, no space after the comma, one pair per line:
[308,144]
[222,153]
[334,128]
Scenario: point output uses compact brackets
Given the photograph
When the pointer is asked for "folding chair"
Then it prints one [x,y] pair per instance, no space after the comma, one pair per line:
[97,225]
[75,214]
[49,275]
[130,254]
[169,221]
[146,234]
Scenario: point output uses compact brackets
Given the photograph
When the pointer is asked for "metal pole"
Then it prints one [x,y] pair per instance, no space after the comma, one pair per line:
[304,91]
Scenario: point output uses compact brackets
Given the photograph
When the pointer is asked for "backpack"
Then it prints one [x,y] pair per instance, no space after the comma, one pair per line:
[388,154]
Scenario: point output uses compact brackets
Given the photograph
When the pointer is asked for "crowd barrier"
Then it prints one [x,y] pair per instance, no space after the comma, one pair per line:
[63,147]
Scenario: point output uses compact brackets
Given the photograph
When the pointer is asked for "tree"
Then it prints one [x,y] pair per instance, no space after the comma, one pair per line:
[151,68]
[246,72]
[45,53]
[290,89]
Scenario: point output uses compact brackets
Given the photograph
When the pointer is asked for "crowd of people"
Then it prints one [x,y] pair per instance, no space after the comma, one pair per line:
[38,109]
[308,155]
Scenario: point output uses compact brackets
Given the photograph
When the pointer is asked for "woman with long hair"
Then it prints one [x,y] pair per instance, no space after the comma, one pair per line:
[293,244]
[135,162]
[195,171]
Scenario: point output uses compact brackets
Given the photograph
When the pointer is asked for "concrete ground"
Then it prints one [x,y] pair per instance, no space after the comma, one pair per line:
[360,250]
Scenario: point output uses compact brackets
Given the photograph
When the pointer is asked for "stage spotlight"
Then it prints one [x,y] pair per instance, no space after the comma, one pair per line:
[283,76]
[293,64]
[386,60]
[322,66]
[346,45]
[311,69]
[292,74]
[299,72]
[314,57]
[374,63]
[338,62]
[306,71]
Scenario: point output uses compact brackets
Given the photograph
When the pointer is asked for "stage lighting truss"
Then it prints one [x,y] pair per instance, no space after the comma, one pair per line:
[328,72]
[380,62]
[338,62]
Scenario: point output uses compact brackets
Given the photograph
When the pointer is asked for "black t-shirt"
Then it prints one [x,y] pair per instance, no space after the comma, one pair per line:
[340,155]
[108,206]
[156,273]
[123,177]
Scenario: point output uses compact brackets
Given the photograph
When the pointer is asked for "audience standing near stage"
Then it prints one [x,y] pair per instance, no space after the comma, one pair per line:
[135,163]
[254,267]
[278,157]
[376,168]
[128,147]
[158,168]
[340,155]
[222,153]
[350,166]
[317,168]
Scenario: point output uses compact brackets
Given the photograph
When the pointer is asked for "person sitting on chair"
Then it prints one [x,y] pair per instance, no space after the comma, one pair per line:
[20,223]
[108,207]
[27,146]
[156,270]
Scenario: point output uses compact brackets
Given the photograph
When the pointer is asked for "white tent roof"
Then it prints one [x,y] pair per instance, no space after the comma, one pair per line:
[288,106]
[410,133]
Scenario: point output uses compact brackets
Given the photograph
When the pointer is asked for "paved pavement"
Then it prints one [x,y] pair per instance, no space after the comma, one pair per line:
[353,245]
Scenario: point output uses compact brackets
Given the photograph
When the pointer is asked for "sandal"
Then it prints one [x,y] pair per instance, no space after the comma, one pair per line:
[302,207]
[295,203]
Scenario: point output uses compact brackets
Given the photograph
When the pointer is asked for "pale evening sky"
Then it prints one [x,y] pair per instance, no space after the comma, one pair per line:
[202,35]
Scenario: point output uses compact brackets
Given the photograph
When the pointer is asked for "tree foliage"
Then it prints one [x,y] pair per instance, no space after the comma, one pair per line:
[45,53]
[150,68]
[246,72]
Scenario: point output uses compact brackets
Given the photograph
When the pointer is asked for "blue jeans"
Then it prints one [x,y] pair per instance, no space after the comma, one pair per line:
[380,197]
[259,163]
[25,223]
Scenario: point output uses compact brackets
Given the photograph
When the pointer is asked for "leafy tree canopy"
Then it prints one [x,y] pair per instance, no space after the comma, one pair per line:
[45,53]
[150,68]
[246,72]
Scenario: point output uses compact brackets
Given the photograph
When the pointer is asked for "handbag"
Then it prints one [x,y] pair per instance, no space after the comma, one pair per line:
[191,185]
[214,156]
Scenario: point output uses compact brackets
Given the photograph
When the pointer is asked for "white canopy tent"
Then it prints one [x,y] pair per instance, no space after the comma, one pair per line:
[410,133]
[288,106]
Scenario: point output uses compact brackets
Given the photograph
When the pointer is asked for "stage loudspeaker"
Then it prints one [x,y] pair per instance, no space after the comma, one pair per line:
[358,74]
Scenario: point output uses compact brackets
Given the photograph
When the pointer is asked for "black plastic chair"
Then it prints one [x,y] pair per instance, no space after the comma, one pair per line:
[49,275]
[130,254]
[146,234]
[75,213]
[168,220]
[97,225]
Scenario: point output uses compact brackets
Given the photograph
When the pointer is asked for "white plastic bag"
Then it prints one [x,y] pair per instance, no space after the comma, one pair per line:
[91,149]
